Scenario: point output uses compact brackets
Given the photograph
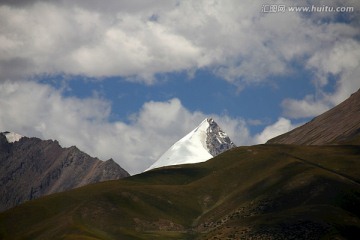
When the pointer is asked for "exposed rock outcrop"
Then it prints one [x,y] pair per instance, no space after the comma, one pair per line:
[217,141]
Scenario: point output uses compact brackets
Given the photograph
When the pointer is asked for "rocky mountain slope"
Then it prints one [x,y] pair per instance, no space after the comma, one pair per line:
[339,124]
[30,168]
[204,142]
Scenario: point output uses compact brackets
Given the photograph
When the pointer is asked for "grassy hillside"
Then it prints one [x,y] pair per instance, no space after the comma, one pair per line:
[259,192]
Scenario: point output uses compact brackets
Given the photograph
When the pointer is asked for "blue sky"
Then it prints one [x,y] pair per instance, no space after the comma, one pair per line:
[126,79]
[260,105]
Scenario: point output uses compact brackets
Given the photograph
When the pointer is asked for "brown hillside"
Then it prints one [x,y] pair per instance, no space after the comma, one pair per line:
[31,168]
[339,124]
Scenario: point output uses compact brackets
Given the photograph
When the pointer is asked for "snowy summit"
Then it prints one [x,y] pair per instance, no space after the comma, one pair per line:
[12,137]
[201,144]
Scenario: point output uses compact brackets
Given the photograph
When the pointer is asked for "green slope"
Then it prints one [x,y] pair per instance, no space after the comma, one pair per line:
[259,192]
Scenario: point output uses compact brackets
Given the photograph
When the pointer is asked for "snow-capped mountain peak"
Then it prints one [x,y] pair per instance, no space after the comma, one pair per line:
[12,137]
[204,142]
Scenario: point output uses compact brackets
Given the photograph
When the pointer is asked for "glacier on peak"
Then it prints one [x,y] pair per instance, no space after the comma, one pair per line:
[204,142]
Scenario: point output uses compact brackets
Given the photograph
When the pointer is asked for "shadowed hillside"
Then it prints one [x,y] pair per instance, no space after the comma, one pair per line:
[31,167]
[258,192]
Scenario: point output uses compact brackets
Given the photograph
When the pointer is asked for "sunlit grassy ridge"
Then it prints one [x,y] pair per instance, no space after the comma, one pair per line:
[264,191]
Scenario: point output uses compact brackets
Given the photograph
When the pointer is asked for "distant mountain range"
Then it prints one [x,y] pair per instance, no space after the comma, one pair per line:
[30,168]
[301,185]
[204,142]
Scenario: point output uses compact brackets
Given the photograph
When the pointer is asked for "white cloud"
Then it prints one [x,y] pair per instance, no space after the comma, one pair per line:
[137,39]
[341,60]
[307,107]
[283,125]
[62,38]
[33,109]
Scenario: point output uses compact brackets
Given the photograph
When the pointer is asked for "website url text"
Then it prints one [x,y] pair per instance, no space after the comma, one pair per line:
[277,8]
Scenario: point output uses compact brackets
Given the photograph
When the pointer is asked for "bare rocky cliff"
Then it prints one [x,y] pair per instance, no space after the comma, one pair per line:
[30,168]
[339,124]
[217,141]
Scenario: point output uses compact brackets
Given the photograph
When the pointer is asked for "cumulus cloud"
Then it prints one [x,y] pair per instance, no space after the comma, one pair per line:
[337,58]
[307,107]
[283,125]
[138,39]
[341,61]
[38,110]
[76,39]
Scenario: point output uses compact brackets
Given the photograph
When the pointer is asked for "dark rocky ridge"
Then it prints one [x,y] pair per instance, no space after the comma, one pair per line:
[339,124]
[32,167]
[217,141]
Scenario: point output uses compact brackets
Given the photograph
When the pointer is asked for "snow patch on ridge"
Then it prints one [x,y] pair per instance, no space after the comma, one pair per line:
[12,137]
